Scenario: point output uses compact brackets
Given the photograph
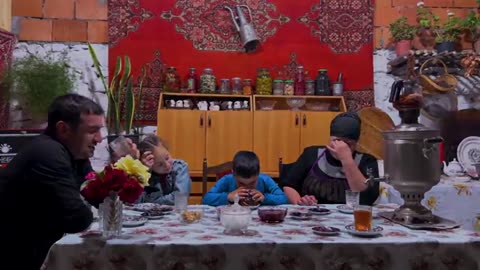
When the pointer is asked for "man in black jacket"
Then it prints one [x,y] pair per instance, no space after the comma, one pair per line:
[39,190]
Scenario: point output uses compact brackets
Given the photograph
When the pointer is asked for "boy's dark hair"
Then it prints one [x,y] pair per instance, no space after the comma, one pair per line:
[69,109]
[149,142]
[246,164]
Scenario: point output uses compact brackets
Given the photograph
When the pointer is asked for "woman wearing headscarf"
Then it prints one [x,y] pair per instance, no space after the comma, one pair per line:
[323,173]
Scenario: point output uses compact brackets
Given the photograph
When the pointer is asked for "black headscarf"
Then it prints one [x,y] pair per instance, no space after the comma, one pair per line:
[346,125]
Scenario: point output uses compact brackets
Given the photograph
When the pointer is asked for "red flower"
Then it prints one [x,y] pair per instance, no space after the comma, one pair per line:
[111,179]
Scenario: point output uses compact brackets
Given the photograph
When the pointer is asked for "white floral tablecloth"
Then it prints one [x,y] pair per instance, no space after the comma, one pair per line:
[451,198]
[169,244]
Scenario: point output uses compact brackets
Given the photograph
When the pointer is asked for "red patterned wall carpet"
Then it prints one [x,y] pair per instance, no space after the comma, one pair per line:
[332,34]
[7,45]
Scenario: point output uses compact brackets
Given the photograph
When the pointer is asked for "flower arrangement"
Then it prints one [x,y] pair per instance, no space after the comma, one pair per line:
[126,177]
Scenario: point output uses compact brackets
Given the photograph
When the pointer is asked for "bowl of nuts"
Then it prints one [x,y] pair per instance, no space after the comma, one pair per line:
[192,214]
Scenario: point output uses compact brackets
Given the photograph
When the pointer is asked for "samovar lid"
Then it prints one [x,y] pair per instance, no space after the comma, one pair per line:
[411,131]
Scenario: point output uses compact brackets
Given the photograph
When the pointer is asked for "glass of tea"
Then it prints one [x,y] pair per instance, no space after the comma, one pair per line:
[362,216]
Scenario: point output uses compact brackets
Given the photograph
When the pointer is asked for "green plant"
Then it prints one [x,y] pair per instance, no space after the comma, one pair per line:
[425,17]
[34,81]
[121,81]
[471,24]
[401,30]
[449,31]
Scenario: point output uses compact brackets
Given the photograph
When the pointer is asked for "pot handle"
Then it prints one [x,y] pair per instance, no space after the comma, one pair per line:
[428,144]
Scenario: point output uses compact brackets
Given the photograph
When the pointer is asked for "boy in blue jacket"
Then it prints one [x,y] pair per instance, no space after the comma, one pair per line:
[252,187]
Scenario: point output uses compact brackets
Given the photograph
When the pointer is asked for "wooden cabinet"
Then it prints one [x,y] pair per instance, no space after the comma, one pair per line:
[193,135]
[217,135]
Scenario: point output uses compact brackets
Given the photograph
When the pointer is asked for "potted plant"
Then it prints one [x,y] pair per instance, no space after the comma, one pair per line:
[121,98]
[447,33]
[35,81]
[471,24]
[402,34]
[426,20]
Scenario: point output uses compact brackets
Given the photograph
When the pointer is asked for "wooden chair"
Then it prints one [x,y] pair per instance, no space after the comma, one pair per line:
[217,170]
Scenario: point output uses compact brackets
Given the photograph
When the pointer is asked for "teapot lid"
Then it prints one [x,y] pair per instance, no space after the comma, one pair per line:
[236,208]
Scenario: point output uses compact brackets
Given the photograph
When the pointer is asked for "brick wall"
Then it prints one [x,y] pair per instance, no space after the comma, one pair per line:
[60,20]
[386,11]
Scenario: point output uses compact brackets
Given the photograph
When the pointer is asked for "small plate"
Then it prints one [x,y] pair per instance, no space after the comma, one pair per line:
[326,231]
[319,211]
[345,209]
[143,207]
[133,221]
[297,215]
[376,231]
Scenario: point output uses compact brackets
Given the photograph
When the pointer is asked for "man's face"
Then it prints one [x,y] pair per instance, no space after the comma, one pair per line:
[248,183]
[351,143]
[82,140]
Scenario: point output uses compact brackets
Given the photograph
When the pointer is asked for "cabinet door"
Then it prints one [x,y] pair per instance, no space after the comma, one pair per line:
[316,128]
[276,135]
[227,133]
[184,131]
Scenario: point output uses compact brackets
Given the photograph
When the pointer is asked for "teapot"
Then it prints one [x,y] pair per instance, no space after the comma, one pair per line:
[453,169]
[235,218]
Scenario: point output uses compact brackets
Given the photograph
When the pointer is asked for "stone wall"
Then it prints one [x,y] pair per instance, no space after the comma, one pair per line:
[65,25]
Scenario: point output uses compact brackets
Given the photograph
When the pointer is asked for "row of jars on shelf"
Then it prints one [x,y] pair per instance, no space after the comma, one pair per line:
[207,83]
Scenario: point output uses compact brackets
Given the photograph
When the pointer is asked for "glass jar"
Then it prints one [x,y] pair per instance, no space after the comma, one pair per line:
[322,87]
[192,81]
[237,86]
[172,80]
[309,87]
[207,82]
[264,82]
[278,87]
[224,86]
[299,86]
[288,88]
[247,87]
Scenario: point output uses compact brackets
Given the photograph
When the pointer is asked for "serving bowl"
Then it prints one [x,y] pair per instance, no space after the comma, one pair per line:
[266,105]
[272,214]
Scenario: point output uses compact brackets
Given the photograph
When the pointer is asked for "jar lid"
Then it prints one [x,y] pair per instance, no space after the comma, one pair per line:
[289,81]
[323,70]
[193,69]
[278,81]
[236,79]
[310,81]
[172,68]
[224,80]
[247,80]
[208,69]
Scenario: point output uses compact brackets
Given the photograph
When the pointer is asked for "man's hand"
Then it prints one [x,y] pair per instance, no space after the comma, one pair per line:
[257,196]
[242,194]
[308,200]
[148,159]
[340,150]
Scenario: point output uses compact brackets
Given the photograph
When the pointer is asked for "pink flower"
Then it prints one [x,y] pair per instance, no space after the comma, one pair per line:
[91,176]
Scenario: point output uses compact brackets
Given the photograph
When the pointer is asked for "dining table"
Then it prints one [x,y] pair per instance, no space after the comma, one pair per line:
[170,243]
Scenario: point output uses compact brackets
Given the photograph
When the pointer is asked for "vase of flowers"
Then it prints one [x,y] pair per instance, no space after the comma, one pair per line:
[119,183]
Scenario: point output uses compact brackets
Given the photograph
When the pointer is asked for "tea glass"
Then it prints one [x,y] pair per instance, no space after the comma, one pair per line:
[362,216]
[181,201]
[352,198]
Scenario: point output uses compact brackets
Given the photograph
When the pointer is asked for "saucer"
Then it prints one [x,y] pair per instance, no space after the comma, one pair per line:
[375,232]
[133,221]
[319,211]
[345,209]
[297,215]
[326,231]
